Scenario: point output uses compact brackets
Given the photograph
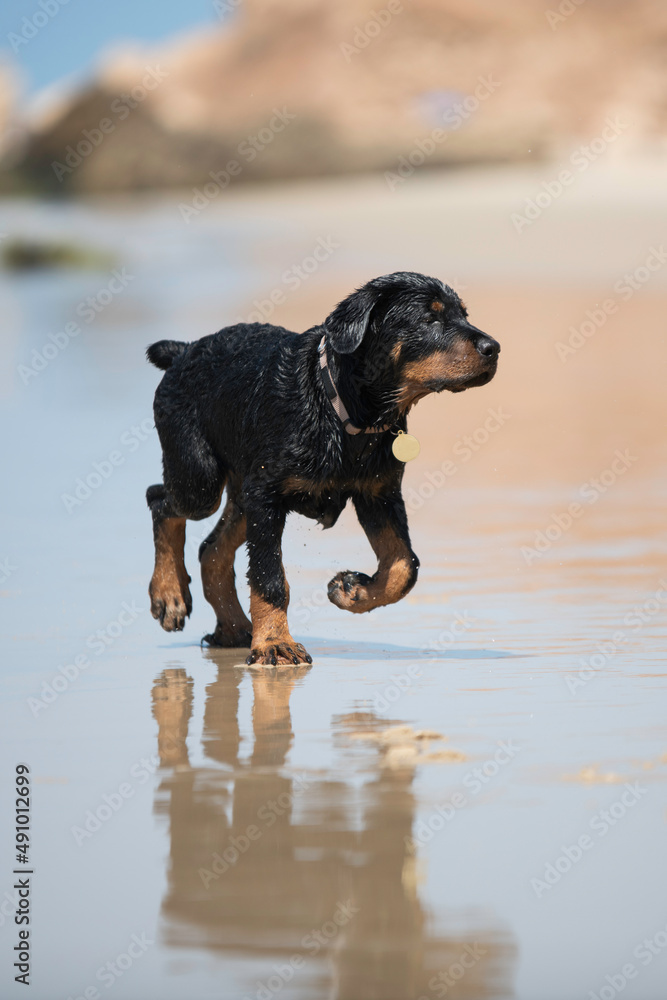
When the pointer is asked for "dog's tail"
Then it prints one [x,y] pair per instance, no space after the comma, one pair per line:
[164,352]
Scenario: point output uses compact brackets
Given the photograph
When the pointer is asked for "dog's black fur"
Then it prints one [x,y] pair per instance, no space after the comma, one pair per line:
[246,409]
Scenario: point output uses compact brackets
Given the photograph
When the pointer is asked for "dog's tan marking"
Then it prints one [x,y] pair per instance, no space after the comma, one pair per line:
[169,592]
[437,306]
[395,352]
[460,362]
[271,639]
[219,579]
[296,484]
[371,487]
[408,396]
[395,576]
[394,566]
[269,623]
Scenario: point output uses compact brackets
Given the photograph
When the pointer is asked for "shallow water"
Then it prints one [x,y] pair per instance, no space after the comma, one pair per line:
[465,794]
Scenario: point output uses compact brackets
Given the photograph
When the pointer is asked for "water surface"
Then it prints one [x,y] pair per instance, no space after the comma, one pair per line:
[405,818]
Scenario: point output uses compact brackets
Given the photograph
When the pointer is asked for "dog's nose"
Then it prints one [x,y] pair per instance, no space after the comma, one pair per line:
[487,347]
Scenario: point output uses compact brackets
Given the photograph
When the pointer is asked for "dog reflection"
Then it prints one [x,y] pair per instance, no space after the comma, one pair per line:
[309,871]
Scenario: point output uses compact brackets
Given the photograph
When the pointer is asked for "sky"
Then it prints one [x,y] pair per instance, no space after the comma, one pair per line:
[68,35]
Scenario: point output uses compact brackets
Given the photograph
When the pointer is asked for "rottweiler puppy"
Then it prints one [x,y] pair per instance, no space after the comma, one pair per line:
[299,422]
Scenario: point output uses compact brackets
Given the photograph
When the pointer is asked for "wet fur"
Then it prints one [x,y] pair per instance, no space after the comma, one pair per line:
[246,409]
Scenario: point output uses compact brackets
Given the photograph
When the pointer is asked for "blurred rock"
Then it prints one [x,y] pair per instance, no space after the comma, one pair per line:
[27,255]
[366,84]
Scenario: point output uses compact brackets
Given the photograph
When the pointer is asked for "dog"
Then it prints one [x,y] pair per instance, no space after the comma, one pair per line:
[299,422]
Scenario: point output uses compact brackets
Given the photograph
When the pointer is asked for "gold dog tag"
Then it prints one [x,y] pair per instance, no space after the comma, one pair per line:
[405,447]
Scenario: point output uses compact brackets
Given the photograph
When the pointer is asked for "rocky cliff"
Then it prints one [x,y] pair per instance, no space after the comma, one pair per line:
[288,88]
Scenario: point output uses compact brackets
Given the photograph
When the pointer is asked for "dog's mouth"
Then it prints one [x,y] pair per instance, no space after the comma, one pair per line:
[417,389]
[471,383]
[460,385]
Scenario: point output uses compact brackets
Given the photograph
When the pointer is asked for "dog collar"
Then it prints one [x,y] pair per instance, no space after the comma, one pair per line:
[336,401]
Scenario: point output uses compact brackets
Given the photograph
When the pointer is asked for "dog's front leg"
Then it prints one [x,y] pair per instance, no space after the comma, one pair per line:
[384,520]
[269,590]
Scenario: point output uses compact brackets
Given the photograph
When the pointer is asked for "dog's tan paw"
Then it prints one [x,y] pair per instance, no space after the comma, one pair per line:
[276,653]
[171,603]
[349,591]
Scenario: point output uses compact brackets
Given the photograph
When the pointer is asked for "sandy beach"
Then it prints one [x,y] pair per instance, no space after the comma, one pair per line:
[478,772]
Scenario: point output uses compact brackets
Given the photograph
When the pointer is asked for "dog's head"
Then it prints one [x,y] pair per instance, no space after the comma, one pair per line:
[409,335]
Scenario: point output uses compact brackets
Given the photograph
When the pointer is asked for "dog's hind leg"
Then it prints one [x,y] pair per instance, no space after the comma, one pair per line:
[384,520]
[216,555]
[192,489]
[169,592]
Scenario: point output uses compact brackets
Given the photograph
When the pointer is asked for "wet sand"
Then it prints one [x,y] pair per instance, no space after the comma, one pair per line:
[465,795]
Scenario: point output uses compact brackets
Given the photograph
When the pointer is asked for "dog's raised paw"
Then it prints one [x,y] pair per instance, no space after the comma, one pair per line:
[349,591]
[171,607]
[171,615]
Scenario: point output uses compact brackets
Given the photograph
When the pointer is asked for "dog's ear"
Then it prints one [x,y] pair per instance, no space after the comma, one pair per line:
[346,326]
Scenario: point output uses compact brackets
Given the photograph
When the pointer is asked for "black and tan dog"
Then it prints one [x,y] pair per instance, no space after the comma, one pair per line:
[299,422]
